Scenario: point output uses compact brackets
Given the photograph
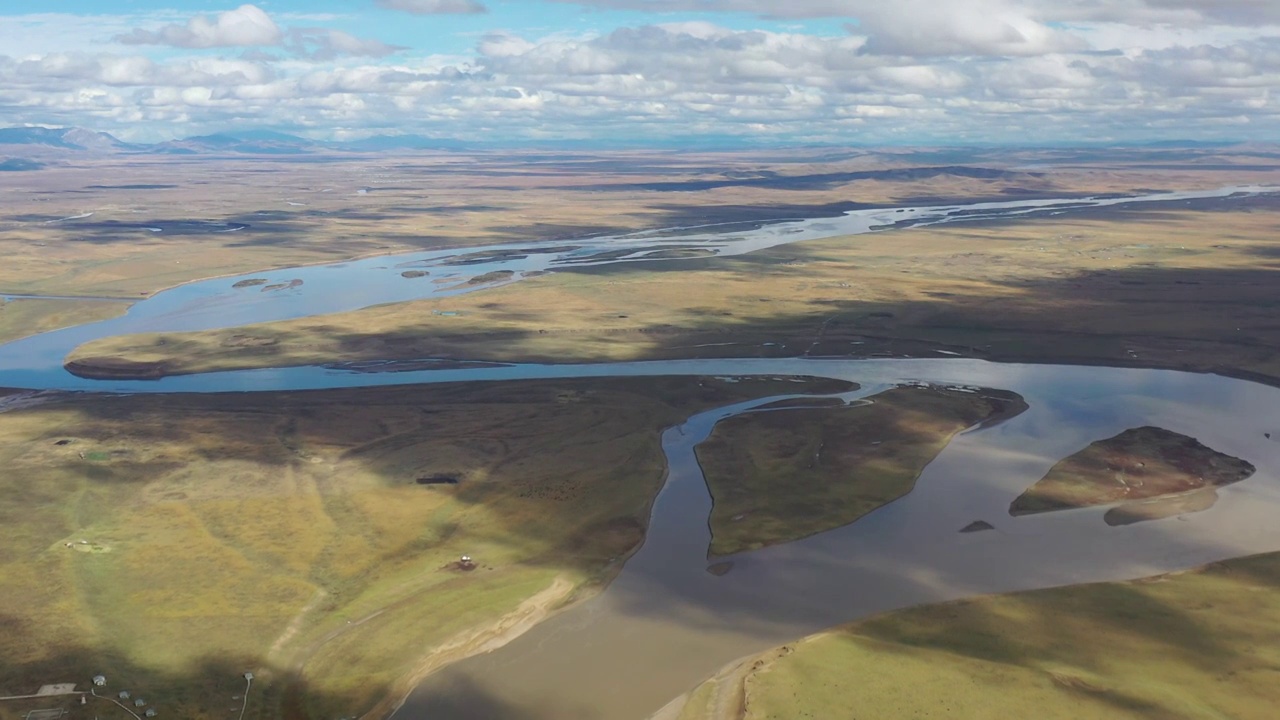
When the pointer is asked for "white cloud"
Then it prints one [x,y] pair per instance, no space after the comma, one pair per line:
[246,26]
[923,28]
[910,70]
[1181,12]
[321,44]
[435,7]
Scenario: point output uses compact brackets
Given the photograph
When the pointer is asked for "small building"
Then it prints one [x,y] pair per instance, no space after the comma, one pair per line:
[124,694]
[151,712]
[139,702]
[99,680]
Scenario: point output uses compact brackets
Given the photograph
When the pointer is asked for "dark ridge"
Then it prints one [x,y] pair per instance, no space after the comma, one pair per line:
[820,181]
[439,479]
[138,186]
[19,165]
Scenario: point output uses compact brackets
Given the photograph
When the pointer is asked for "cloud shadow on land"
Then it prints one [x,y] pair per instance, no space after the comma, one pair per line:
[204,687]
[531,453]
[255,501]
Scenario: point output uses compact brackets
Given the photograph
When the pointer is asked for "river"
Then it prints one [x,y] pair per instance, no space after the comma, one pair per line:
[665,623]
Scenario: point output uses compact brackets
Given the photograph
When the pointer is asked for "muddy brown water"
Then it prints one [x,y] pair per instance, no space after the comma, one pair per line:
[666,623]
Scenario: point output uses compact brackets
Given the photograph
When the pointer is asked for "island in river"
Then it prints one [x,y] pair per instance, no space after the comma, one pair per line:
[1146,468]
[784,473]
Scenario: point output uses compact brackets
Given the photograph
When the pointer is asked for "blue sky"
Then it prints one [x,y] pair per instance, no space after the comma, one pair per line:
[840,71]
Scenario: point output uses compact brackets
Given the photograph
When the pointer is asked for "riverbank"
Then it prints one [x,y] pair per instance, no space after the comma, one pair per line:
[1196,644]
[22,317]
[1130,289]
[214,522]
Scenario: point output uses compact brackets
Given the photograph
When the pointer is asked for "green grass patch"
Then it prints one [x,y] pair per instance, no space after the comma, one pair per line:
[286,533]
[1203,645]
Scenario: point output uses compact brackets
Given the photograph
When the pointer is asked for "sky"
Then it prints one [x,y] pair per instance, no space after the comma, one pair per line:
[653,72]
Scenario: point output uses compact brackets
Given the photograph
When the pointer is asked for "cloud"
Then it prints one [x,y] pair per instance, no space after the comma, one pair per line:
[321,44]
[435,7]
[1181,12]
[923,28]
[246,26]
[968,70]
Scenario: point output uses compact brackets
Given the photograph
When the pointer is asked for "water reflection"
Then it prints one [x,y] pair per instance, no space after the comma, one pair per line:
[666,623]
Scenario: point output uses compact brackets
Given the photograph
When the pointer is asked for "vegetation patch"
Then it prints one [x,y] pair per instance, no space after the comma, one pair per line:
[785,474]
[1201,644]
[29,316]
[1138,464]
[175,542]
[491,277]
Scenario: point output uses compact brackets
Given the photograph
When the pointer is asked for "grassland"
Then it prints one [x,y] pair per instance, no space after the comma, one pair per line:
[785,474]
[20,318]
[165,220]
[287,534]
[1138,464]
[1198,645]
[1170,287]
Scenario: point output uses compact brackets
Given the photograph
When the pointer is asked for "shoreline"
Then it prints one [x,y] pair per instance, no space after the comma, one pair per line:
[939,200]
[103,370]
[485,638]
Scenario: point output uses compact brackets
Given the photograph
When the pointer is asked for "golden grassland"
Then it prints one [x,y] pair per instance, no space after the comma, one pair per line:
[88,228]
[784,474]
[22,317]
[1175,288]
[1198,645]
[286,533]
[1138,464]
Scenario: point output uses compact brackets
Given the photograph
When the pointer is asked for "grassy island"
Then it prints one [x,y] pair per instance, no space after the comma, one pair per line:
[1142,463]
[784,474]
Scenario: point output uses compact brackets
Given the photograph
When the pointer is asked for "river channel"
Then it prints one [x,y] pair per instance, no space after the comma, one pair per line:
[665,623]
[283,294]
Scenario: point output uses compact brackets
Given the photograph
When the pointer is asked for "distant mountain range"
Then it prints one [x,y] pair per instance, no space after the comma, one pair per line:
[26,144]
[32,148]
